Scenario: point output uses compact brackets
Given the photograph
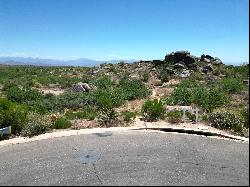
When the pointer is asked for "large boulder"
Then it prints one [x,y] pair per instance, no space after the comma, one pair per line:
[208,68]
[192,66]
[86,87]
[206,60]
[189,59]
[169,57]
[179,66]
[157,62]
[181,54]
[80,87]
[217,61]
[207,57]
[185,73]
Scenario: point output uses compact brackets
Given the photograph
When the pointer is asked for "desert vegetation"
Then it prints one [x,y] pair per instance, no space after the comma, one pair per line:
[30,95]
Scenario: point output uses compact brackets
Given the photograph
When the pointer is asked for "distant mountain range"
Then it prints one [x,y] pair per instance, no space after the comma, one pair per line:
[7,60]
[53,62]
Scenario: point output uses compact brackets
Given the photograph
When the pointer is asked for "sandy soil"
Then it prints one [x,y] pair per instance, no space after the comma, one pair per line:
[54,91]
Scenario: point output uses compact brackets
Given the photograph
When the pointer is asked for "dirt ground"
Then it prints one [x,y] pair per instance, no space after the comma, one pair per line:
[54,91]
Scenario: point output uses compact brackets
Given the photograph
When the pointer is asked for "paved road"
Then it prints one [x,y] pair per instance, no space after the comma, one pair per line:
[132,158]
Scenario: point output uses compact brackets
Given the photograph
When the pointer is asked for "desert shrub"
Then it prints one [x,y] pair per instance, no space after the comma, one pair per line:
[86,113]
[44,106]
[184,93]
[12,114]
[209,100]
[70,115]
[153,110]
[242,71]
[113,69]
[182,96]
[197,76]
[200,96]
[121,63]
[188,83]
[164,75]
[69,100]
[245,116]
[104,83]
[62,123]
[204,117]
[231,85]
[168,100]
[103,100]
[49,95]
[22,95]
[191,116]
[128,116]
[174,116]
[132,89]
[145,76]
[221,69]
[216,99]
[225,120]
[190,92]
[8,85]
[36,124]
[72,100]
[107,118]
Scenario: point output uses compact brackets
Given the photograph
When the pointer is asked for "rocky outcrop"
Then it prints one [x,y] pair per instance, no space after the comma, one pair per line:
[208,59]
[181,57]
[81,87]
[184,60]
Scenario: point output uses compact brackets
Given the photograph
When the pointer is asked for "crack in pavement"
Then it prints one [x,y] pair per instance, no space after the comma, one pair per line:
[96,174]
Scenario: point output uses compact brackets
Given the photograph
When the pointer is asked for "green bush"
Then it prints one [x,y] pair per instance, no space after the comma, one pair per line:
[103,100]
[72,100]
[197,76]
[12,114]
[231,85]
[36,124]
[86,113]
[209,100]
[132,89]
[190,92]
[153,110]
[191,116]
[128,116]
[204,117]
[245,116]
[22,95]
[225,121]
[145,76]
[62,123]
[174,116]
[107,118]
[200,96]
[164,76]
[184,93]
[216,99]
[182,96]
[104,83]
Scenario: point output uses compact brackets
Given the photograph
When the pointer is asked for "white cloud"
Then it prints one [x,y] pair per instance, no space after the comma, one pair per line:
[15,54]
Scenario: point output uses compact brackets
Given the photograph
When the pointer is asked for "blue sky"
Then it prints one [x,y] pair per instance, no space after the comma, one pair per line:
[124,29]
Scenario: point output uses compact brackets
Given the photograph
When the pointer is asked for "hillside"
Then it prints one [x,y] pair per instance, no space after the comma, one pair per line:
[123,94]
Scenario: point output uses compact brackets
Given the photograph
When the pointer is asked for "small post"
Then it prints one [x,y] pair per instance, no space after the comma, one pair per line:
[184,115]
[196,115]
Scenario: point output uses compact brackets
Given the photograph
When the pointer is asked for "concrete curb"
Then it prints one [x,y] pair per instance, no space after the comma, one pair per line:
[57,134]
[197,131]
[65,133]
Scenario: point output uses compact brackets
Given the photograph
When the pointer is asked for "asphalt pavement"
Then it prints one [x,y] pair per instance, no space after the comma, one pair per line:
[126,158]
